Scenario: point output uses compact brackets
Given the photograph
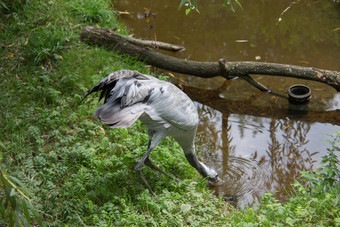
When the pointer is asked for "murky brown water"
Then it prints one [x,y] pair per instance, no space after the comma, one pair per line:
[256,141]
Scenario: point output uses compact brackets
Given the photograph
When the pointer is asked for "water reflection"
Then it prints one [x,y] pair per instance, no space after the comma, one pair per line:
[255,155]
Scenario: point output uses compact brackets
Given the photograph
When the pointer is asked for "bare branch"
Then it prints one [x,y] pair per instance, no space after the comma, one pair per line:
[112,40]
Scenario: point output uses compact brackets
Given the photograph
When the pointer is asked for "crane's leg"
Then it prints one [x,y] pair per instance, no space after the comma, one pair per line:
[148,161]
[152,144]
[152,166]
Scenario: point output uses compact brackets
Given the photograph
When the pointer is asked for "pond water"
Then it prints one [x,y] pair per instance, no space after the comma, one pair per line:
[257,142]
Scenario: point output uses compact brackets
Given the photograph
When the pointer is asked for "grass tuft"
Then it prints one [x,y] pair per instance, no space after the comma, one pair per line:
[92,11]
[46,44]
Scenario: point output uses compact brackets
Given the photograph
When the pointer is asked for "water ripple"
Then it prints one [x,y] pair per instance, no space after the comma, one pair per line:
[244,180]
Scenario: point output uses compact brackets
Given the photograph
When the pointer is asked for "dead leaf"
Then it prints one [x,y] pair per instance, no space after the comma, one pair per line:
[11,55]
[123,13]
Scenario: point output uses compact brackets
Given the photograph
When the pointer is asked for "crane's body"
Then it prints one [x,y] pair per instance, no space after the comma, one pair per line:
[161,106]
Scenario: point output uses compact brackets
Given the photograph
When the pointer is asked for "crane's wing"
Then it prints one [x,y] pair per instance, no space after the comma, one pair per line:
[174,107]
[128,94]
[112,114]
[125,94]
[109,82]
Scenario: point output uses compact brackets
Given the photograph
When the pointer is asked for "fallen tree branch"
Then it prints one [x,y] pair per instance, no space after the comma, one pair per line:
[110,39]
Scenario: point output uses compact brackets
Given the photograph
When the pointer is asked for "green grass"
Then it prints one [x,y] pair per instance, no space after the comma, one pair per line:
[76,170]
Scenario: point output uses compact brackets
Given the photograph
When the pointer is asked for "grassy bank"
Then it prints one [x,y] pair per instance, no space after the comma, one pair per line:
[78,171]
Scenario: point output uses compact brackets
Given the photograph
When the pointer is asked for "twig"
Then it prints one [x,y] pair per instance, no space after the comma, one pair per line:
[286,9]
[154,44]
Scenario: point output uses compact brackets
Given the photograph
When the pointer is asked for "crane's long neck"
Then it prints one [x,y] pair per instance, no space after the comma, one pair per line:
[205,171]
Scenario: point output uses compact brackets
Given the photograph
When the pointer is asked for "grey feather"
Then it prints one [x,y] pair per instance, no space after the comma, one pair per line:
[113,115]
[109,82]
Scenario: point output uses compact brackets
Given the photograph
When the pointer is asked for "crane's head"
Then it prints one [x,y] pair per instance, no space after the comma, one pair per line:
[211,174]
[213,178]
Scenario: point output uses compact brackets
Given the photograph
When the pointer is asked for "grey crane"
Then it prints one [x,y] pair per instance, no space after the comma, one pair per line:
[160,105]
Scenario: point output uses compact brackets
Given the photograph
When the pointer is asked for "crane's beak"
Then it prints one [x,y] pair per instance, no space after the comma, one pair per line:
[217,181]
